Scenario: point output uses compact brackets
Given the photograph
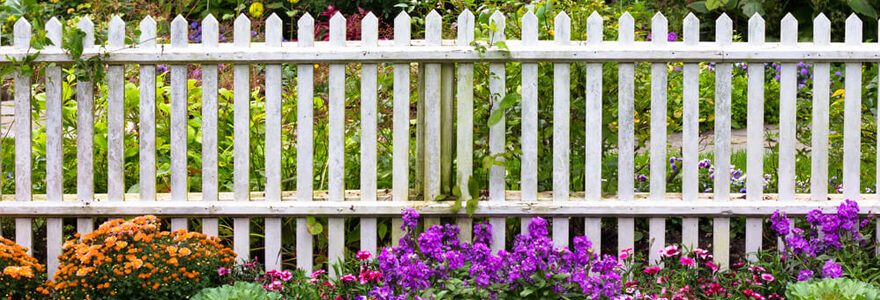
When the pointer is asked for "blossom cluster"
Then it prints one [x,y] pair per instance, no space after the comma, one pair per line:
[21,275]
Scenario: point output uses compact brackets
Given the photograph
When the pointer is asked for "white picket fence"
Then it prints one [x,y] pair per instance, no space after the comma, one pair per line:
[439,61]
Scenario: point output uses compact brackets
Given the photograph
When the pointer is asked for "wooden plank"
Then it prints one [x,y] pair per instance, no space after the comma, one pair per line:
[755,138]
[336,158]
[787,112]
[116,114]
[304,141]
[625,134]
[465,121]
[561,129]
[210,35]
[54,152]
[147,113]
[432,112]
[401,119]
[594,125]
[272,235]
[447,120]
[529,139]
[419,180]
[690,227]
[22,128]
[179,121]
[85,134]
[852,113]
[497,91]
[369,100]
[657,226]
[241,138]
[723,74]
[821,98]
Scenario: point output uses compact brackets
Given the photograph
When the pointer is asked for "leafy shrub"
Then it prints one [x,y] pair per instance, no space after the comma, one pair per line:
[832,289]
[134,260]
[22,276]
[239,291]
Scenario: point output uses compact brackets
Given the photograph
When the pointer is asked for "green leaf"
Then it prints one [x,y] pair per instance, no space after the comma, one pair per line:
[863,7]
[752,7]
[715,4]
[502,45]
[495,117]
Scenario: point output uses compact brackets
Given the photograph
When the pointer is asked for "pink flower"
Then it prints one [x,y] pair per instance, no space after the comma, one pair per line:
[624,256]
[670,250]
[223,271]
[767,277]
[363,255]
[701,253]
[652,270]
[347,278]
[317,273]
[687,261]
[712,265]
[274,286]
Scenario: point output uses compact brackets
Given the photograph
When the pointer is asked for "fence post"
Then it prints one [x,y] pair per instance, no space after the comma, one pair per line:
[465,121]
[336,158]
[401,131]
[272,234]
[657,226]
[304,140]
[54,153]
[723,87]
[179,122]
[561,129]
[241,138]
[690,141]
[22,127]
[85,134]
[210,36]
[755,138]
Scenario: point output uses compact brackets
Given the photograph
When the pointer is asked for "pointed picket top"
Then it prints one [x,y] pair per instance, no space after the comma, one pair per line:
[789,30]
[116,33]
[179,30]
[53,32]
[210,31]
[22,34]
[500,23]
[465,31]
[273,31]
[821,30]
[148,32]
[659,29]
[337,30]
[433,29]
[723,30]
[402,29]
[369,30]
[594,28]
[562,28]
[756,29]
[305,35]
[529,28]
[241,33]
[691,30]
[86,25]
[853,30]
[625,29]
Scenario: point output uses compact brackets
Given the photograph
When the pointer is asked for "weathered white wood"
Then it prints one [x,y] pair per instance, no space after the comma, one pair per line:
[116,114]
[210,36]
[179,121]
[304,141]
[821,97]
[336,158]
[85,133]
[432,111]
[54,153]
[497,91]
[755,138]
[465,121]
[529,135]
[877,227]
[657,226]
[852,113]
[787,112]
[690,227]
[273,145]
[369,99]
[723,74]
[401,133]
[561,129]
[22,127]
[241,138]
[625,134]
[147,113]
[594,125]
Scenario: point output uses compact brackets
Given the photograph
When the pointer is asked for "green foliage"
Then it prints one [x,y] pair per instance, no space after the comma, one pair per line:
[239,291]
[832,289]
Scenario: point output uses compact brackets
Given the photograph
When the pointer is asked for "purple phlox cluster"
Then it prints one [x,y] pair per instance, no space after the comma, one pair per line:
[195,35]
[831,269]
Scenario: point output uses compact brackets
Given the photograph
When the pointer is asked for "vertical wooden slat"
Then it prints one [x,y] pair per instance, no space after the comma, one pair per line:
[625,134]
[210,35]
[561,131]
[401,132]
[273,145]
[690,227]
[821,97]
[721,226]
[432,112]
[22,127]
[593,164]
[336,189]
[497,91]
[54,153]
[852,113]
[116,114]
[657,226]
[179,121]
[369,76]
[465,121]
[529,140]
[447,120]
[755,138]
[85,134]
[304,140]
[241,138]
[419,181]
[787,113]
[147,124]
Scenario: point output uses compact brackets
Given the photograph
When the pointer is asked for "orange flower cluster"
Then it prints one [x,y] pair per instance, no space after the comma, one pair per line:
[21,275]
[134,259]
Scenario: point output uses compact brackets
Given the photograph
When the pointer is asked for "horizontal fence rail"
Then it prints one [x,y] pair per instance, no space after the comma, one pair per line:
[446,100]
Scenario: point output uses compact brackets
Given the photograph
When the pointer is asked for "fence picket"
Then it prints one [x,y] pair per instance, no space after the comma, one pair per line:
[179,121]
[432,111]
[115,114]
[85,134]
[210,36]
[821,97]
[369,97]
[401,132]
[593,120]
[690,140]
[561,130]
[787,111]
[54,152]
[241,137]
[22,127]
[657,226]
[336,158]
[465,121]
[497,91]
[626,134]
[852,113]
[273,145]
[723,74]
[147,113]
[755,137]
[529,139]
[304,140]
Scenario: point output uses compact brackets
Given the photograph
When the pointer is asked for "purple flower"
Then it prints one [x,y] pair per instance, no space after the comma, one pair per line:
[805,275]
[671,36]
[837,74]
[410,219]
[780,223]
[831,269]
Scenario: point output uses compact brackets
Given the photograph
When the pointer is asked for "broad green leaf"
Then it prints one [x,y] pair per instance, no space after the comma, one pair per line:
[715,4]
[863,7]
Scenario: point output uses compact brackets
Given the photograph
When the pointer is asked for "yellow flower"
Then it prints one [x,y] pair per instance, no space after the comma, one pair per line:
[294,1]
[11,19]
[256,9]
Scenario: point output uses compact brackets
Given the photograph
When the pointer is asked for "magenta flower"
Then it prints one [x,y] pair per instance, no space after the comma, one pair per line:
[767,277]
[652,270]
[223,271]
[687,261]
[363,255]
